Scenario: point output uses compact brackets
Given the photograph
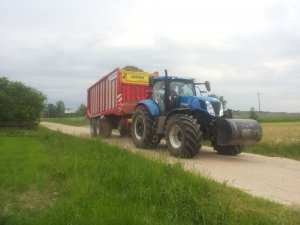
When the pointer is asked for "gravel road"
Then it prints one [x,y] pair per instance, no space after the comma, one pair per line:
[273,178]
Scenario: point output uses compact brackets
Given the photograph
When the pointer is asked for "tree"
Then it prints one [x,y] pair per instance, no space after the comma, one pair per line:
[19,102]
[253,115]
[55,110]
[60,108]
[132,68]
[51,111]
[81,111]
[221,98]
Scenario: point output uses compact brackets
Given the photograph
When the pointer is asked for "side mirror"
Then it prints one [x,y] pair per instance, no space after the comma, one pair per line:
[207,85]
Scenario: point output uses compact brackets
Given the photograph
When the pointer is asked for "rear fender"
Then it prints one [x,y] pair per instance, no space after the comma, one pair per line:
[151,105]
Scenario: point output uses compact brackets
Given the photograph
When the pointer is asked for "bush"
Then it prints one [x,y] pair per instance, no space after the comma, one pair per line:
[253,115]
[19,102]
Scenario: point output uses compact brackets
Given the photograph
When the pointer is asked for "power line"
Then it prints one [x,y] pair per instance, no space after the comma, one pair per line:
[258,97]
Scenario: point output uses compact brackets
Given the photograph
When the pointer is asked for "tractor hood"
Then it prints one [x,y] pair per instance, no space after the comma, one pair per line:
[212,106]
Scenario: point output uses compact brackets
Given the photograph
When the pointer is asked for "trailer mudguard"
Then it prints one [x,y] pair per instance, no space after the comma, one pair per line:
[151,106]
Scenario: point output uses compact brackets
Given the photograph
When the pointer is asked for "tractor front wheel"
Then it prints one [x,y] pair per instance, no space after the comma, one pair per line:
[229,149]
[183,136]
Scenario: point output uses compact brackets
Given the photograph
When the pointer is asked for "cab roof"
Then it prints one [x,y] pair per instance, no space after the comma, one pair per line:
[174,78]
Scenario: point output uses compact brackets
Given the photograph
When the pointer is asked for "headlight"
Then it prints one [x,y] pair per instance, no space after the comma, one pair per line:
[221,110]
[210,108]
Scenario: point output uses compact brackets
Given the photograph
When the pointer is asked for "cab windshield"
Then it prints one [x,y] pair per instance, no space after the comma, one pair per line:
[180,88]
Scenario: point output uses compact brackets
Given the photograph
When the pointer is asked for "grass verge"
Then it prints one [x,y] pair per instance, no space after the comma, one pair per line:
[52,178]
[279,139]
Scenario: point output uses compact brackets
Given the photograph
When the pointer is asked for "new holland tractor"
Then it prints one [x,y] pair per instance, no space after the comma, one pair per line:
[176,113]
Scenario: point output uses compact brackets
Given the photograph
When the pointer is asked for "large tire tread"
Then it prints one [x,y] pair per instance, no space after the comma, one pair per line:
[93,127]
[192,136]
[105,128]
[229,149]
[147,139]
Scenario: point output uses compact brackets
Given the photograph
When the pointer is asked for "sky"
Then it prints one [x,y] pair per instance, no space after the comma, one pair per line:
[242,47]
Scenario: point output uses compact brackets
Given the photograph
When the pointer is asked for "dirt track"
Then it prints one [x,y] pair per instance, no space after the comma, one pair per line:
[274,178]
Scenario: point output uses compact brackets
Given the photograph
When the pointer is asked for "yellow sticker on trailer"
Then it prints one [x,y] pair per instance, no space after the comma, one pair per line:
[131,77]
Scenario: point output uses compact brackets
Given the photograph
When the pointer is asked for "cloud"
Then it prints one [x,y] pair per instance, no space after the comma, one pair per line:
[244,49]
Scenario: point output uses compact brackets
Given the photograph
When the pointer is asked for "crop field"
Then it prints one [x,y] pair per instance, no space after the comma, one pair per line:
[270,118]
[52,178]
[279,139]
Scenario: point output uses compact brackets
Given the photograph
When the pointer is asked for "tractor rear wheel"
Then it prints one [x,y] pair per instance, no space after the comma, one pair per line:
[183,136]
[141,132]
[229,149]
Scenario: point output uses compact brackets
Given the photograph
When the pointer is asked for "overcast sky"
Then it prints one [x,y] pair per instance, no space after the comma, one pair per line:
[241,47]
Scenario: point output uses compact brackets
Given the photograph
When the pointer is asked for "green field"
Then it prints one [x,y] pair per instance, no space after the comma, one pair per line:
[269,118]
[279,139]
[52,178]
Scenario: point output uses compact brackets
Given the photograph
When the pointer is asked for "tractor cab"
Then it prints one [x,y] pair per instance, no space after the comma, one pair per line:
[177,87]
[182,93]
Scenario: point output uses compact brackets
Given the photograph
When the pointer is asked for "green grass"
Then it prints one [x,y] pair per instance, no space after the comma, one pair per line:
[270,118]
[279,139]
[285,149]
[264,118]
[24,180]
[52,178]
[17,154]
[73,121]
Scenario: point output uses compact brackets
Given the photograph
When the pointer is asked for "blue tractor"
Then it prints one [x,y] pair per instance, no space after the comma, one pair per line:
[176,113]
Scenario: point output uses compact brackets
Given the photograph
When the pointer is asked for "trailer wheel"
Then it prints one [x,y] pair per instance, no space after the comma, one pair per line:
[141,132]
[105,128]
[98,126]
[183,136]
[124,132]
[93,127]
[229,149]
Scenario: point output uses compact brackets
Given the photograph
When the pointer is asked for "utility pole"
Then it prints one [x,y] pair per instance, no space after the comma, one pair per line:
[258,101]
